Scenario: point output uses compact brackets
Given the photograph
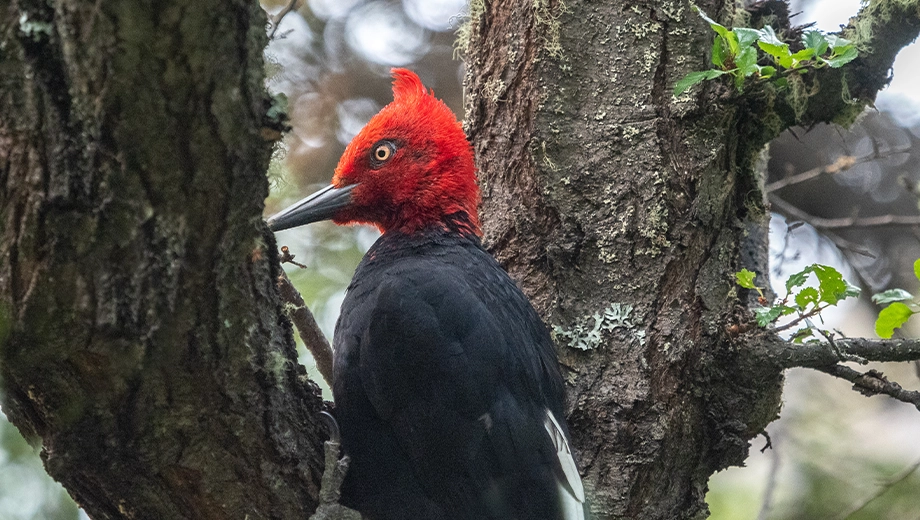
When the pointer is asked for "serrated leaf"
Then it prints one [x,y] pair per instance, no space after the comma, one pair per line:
[718,51]
[779,52]
[842,59]
[802,55]
[892,317]
[693,78]
[800,335]
[834,41]
[785,310]
[768,36]
[807,296]
[720,29]
[831,286]
[917,268]
[892,295]
[815,41]
[798,279]
[746,37]
[766,315]
[746,61]
[745,278]
[852,291]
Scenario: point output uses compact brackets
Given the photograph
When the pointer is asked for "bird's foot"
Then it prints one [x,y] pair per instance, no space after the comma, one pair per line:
[333,476]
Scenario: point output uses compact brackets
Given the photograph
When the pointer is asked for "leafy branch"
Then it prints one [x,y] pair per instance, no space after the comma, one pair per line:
[898,312]
[734,53]
[806,301]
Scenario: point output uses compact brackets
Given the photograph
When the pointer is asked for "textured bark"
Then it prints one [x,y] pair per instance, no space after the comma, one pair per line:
[604,195]
[145,346]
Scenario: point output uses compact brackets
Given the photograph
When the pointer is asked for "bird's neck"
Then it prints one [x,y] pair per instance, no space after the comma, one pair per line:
[457,220]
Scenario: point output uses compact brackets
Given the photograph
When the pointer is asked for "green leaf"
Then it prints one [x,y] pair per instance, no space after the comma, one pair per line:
[767,71]
[807,296]
[917,269]
[768,36]
[745,279]
[800,335]
[831,286]
[746,61]
[779,52]
[802,55]
[891,318]
[835,42]
[720,29]
[767,315]
[746,36]
[852,291]
[839,61]
[693,78]
[718,51]
[892,295]
[798,279]
[815,41]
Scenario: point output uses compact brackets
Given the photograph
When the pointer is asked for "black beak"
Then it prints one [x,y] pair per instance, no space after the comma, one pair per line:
[322,205]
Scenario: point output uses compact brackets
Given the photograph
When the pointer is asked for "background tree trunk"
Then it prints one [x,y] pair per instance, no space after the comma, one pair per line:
[146,345]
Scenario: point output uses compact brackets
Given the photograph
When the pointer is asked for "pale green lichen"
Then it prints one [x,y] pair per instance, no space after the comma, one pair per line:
[585,333]
[547,19]
[465,33]
[34,29]
[493,89]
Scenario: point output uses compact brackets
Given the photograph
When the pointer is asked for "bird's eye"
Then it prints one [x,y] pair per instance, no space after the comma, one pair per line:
[381,153]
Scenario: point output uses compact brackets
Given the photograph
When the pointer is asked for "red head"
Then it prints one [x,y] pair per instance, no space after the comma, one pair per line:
[409,167]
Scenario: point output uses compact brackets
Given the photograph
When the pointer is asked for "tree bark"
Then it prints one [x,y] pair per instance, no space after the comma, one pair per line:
[145,344]
[624,214]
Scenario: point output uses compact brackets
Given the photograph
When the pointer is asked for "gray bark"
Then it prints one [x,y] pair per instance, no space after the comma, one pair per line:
[604,195]
[146,347]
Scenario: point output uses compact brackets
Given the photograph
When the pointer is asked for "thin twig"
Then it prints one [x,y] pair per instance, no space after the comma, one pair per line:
[845,222]
[303,319]
[770,491]
[883,488]
[793,323]
[276,20]
[841,355]
[843,163]
[872,383]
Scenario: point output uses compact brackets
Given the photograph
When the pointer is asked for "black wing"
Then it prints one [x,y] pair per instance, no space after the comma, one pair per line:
[453,367]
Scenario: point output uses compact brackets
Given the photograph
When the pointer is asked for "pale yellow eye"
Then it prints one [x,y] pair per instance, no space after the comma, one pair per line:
[382,152]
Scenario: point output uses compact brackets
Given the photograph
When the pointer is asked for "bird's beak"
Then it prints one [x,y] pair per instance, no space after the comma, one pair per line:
[322,205]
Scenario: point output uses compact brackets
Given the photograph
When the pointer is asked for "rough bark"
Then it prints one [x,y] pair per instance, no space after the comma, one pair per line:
[145,346]
[624,213]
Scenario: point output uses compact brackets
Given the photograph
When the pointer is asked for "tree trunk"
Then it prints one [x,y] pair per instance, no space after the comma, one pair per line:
[624,214]
[146,345]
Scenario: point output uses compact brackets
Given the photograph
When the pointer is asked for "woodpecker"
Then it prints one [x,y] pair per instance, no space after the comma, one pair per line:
[447,389]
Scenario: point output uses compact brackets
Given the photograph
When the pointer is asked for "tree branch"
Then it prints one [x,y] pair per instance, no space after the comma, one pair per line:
[872,383]
[879,31]
[313,338]
[773,350]
[839,223]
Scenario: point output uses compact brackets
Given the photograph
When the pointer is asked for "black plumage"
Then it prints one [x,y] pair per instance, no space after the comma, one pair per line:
[443,376]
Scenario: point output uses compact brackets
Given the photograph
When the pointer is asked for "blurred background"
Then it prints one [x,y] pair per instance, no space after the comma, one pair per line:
[835,454]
